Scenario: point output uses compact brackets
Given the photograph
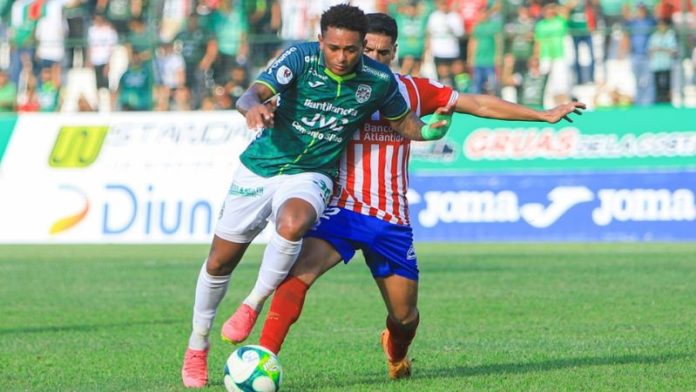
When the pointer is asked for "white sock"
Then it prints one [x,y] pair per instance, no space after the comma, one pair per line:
[278,259]
[209,292]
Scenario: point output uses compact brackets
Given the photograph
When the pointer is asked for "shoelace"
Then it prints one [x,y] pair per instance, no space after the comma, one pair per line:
[195,363]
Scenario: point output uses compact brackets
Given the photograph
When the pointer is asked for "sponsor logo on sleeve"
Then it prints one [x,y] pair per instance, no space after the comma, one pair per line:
[284,75]
[280,59]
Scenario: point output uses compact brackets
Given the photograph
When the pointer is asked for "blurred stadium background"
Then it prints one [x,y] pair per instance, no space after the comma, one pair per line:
[82,55]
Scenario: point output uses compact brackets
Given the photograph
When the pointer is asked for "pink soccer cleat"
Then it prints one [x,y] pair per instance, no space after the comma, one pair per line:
[195,369]
[238,327]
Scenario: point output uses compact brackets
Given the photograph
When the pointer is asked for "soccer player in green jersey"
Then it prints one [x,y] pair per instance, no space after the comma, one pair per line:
[326,90]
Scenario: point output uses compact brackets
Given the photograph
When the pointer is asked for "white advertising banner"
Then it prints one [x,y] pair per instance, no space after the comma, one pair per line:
[118,178]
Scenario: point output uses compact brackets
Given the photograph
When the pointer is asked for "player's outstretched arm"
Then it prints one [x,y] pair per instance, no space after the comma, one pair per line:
[411,127]
[493,107]
[251,105]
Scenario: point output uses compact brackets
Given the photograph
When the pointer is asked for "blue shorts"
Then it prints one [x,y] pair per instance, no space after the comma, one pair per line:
[388,248]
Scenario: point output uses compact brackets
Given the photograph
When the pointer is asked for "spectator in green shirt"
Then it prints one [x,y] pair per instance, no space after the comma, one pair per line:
[662,49]
[48,91]
[550,34]
[230,28]
[119,13]
[611,20]
[579,29]
[8,94]
[519,34]
[412,21]
[135,87]
[529,83]
[76,13]
[140,41]
[199,49]
[484,53]
[21,39]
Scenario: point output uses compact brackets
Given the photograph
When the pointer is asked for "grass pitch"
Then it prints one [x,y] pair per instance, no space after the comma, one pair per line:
[493,317]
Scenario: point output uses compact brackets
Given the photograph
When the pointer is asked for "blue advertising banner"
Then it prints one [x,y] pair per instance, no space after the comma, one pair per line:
[598,206]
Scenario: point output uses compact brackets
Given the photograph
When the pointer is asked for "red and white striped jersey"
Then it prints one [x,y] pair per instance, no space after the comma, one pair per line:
[373,173]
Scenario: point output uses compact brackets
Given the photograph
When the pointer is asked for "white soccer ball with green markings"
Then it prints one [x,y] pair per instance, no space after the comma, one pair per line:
[253,369]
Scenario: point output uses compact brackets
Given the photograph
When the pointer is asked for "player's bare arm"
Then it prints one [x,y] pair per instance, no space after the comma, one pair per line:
[561,112]
[411,127]
[493,107]
[251,105]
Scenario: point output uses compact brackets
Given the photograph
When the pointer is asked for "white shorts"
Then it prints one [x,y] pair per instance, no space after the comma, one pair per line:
[252,200]
[558,82]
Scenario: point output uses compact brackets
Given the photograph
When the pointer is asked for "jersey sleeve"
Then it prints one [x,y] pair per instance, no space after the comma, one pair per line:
[434,95]
[282,73]
[394,106]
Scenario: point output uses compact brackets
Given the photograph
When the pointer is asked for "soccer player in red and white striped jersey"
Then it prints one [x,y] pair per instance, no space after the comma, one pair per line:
[373,176]
[369,210]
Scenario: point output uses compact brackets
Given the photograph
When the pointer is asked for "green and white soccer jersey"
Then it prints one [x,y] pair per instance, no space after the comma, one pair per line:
[318,111]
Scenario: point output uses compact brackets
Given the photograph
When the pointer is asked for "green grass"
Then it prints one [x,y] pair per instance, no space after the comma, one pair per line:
[614,317]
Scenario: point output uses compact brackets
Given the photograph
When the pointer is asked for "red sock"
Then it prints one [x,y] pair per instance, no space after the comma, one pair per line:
[285,309]
[400,337]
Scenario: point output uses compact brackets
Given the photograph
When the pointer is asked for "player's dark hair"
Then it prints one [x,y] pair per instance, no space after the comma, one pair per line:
[379,23]
[344,16]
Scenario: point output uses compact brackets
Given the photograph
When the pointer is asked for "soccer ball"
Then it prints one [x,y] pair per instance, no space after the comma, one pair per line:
[253,369]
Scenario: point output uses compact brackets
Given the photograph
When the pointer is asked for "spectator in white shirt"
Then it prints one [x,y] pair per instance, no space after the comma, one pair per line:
[444,30]
[101,41]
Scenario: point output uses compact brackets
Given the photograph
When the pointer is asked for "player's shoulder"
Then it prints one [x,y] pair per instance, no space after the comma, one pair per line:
[307,47]
[423,83]
[376,70]
[292,61]
[303,50]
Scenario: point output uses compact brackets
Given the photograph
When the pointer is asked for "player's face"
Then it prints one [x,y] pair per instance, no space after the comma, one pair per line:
[380,47]
[342,49]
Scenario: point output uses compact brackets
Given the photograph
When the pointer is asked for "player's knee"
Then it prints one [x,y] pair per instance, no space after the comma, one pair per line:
[293,227]
[218,267]
[291,231]
[220,263]
[405,316]
[294,218]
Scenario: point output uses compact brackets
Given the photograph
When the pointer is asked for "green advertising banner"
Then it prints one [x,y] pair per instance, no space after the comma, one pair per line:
[7,123]
[645,138]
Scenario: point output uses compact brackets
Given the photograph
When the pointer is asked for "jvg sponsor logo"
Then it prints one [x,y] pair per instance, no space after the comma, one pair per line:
[611,205]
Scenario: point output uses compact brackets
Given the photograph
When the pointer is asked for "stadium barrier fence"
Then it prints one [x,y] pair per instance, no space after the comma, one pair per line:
[619,175]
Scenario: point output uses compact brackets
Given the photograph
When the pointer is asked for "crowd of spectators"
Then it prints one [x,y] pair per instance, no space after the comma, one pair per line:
[141,55]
